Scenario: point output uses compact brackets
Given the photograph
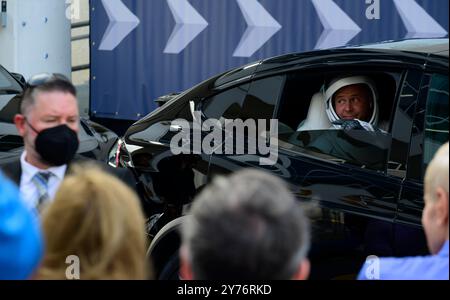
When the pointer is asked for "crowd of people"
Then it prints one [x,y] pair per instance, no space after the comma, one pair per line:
[62,217]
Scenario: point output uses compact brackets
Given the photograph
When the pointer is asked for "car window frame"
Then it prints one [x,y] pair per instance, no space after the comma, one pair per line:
[411,202]
[414,175]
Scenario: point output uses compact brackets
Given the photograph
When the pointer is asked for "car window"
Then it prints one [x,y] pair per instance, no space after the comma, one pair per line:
[436,118]
[305,127]
[249,101]
[262,98]
[227,104]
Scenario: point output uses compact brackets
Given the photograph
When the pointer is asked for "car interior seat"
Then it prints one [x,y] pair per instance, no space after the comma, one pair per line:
[317,118]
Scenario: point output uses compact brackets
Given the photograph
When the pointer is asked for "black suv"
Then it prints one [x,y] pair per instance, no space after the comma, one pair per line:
[367,193]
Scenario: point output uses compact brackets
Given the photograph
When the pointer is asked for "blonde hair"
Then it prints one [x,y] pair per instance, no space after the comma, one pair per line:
[99,219]
[437,172]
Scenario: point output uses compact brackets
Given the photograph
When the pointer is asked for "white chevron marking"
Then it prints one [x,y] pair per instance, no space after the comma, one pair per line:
[189,24]
[261,27]
[339,28]
[418,22]
[121,23]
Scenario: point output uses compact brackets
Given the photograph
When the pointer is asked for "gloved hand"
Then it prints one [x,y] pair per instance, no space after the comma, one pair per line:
[355,125]
[349,124]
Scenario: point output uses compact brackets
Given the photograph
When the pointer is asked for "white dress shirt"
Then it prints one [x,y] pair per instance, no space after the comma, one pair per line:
[28,189]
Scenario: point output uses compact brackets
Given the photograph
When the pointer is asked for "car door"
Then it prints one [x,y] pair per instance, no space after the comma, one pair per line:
[356,194]
[353,206]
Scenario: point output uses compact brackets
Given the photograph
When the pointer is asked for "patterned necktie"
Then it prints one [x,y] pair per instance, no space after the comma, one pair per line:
[40,180]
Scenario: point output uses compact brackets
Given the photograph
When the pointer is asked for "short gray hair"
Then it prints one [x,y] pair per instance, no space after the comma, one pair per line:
[246,226]
[56,84]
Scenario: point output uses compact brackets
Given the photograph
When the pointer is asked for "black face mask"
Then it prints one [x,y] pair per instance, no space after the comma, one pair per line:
[57,146]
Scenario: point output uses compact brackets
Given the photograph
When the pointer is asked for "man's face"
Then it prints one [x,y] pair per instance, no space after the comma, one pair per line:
[50,109]
[353,102]
[433,224]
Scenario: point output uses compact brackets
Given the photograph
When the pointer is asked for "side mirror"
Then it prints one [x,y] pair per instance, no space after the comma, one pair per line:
[20,79]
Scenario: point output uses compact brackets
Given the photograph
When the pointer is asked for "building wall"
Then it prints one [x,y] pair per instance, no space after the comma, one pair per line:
[80,53]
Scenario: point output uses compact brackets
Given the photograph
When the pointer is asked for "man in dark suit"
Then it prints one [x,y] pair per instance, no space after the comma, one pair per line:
[21,241]
[49,124]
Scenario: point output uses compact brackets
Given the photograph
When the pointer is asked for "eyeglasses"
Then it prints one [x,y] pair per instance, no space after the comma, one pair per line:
[44,78]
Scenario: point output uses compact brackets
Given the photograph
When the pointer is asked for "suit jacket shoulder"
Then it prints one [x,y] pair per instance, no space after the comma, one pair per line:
[13,170]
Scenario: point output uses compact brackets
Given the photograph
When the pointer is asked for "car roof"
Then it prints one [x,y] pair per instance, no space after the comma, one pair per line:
[438,46]
[412,50]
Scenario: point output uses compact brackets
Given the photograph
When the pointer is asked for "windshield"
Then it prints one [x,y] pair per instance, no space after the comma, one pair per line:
[8,85]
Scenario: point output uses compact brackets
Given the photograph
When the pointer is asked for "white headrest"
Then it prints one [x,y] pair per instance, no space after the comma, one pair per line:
[317,118]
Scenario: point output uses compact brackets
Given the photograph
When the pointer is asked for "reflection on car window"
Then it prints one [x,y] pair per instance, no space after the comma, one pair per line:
[262,98]
[236,103]
[436,119]
[227,104]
